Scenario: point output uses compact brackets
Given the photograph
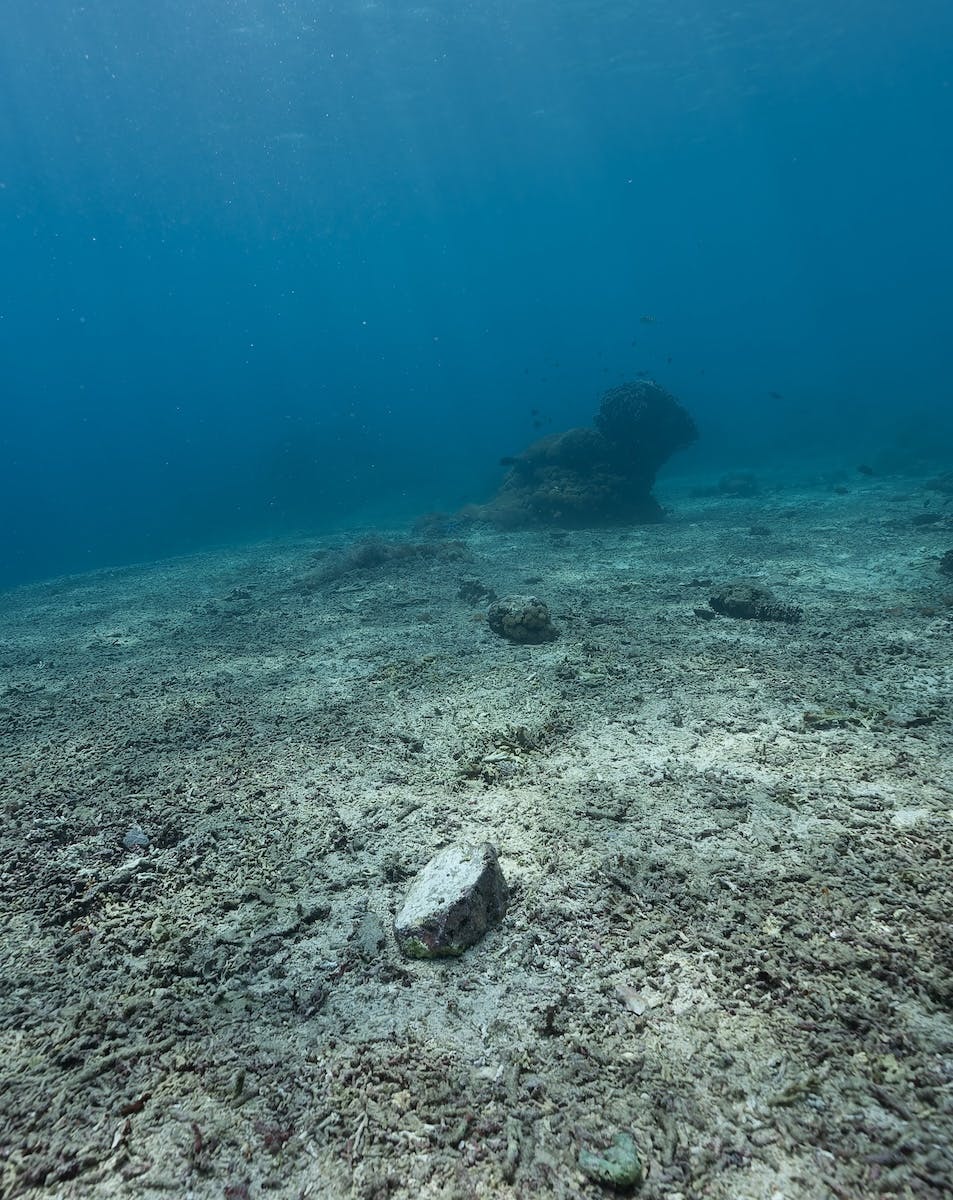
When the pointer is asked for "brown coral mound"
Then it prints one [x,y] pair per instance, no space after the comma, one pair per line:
[644,424]
[596,476]
[751,602]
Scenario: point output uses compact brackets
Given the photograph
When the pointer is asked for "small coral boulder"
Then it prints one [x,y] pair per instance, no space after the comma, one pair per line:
[752,602]
[522,619]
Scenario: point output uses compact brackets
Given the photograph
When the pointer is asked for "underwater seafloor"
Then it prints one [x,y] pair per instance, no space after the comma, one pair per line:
[728,844]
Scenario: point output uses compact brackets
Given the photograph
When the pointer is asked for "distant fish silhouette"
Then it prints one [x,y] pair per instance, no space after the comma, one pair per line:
[865,470]
[775,395]
[647,319]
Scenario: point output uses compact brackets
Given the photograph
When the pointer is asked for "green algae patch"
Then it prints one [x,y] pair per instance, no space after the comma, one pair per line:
[415,947]
[619,1166]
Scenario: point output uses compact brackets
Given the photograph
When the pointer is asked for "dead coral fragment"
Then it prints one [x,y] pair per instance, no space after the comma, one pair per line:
[831,719]
[754,603]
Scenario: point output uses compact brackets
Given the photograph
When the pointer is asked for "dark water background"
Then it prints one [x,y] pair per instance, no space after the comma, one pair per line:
[268,266]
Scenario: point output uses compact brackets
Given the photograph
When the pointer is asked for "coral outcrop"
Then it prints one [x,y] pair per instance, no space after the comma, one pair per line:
[599,475]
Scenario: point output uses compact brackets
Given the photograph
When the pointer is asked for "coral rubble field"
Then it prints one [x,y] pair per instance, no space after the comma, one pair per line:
[727,843]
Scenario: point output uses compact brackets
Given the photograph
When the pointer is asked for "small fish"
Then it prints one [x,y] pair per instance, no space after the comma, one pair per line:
[647,319]
[775,395]
[865,470]
[507,460]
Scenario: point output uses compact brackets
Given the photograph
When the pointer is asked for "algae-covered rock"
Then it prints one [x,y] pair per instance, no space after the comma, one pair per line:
[619,1166]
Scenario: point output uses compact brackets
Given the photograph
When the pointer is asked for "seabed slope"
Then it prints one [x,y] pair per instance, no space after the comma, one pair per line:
[729,846]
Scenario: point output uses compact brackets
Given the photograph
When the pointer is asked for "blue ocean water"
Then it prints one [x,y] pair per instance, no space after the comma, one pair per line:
[270,266]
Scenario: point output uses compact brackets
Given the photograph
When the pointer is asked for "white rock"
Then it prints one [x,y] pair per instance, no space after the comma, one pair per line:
[452,902]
